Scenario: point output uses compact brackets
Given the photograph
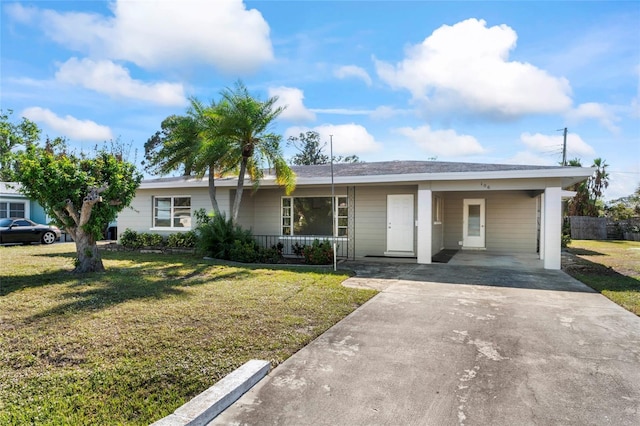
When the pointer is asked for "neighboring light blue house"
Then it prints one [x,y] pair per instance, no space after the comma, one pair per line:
[14,204]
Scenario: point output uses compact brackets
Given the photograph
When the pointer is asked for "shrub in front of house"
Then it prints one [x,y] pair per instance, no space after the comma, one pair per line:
[182,240]
[151,240]
[298,249]
[217,235]
[244,251]
[134,240]
[129,239]
[318,253]
[270,255]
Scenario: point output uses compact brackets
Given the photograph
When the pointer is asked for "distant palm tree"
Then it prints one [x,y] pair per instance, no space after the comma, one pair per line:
[600,179]
[244,123]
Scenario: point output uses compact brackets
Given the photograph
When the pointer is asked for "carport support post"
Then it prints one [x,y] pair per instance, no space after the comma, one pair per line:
[552,227]
[425,220]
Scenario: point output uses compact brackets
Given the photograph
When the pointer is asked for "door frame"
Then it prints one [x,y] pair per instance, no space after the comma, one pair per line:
[408,225]
[473,242]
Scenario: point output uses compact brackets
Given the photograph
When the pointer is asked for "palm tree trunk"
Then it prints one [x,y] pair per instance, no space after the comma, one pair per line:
[239,189]
[212,190]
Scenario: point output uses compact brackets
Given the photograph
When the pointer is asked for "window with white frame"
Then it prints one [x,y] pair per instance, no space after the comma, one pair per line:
[313,216]
[172,212]
[9,209]
[437,210]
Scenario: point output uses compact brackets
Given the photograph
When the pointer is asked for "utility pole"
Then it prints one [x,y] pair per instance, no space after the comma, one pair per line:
[564,148]
[333,208]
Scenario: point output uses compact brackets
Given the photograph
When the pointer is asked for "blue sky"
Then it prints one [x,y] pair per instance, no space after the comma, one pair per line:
[390,80]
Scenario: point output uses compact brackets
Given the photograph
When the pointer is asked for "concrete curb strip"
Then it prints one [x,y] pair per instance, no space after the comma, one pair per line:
[207,405]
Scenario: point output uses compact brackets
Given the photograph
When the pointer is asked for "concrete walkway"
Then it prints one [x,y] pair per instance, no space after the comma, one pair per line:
[460,345]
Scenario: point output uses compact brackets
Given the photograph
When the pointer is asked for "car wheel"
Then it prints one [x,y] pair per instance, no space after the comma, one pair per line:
[48,237]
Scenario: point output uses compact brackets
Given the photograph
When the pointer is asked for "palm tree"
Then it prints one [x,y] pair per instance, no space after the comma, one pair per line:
[244,124]
[600,179]
[190,143]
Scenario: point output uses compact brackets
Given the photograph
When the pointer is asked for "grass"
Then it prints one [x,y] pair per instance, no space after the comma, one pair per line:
[610,267]
[131,345]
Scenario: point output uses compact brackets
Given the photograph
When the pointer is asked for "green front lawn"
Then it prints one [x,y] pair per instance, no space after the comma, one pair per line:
[134,343]
[610,267]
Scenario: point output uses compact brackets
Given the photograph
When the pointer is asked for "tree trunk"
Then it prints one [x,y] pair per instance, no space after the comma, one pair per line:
[89,259]
[239,189]
[212,190]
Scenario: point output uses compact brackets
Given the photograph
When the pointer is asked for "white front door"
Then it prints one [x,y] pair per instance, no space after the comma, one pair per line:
[400,223]
[473,223]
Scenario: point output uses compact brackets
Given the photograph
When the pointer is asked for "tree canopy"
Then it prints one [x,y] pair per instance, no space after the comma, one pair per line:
[588,199]
[244,129]
[625,207]
[14,138]
[311,150]
[231,135]
[82,194]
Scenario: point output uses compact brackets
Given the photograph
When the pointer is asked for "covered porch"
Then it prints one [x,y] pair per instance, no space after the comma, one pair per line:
[494,225]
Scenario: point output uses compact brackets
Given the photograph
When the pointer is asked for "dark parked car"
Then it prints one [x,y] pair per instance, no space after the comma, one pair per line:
[26,231]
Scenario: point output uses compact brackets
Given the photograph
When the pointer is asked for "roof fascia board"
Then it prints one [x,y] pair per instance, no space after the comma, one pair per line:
[569,173]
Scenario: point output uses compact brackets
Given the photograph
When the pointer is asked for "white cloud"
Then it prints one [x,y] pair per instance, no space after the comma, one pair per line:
[348,71]
[593,110]
[69,126]
[342,111]
[381,112]
[384,112]
[550,144]
[161,34]
[292,99]
[466,66]
[529,158]
[21,14]
[348,139]
[621,184]
[114,80]
[442,142]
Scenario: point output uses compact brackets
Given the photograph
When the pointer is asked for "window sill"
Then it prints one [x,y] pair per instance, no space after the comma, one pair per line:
[163,228]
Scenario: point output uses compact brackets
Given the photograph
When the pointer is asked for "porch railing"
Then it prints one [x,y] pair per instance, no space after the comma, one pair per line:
[288,242]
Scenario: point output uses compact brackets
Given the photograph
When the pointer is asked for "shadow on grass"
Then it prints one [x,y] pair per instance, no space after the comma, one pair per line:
[621,289]
[584,252]
[119,287]
[146,277]
[607,278]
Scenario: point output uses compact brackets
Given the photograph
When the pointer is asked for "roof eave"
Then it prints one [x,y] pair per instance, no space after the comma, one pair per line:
[569,176]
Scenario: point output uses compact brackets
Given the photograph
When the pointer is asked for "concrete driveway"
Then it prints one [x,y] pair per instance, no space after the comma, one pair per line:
[460,345]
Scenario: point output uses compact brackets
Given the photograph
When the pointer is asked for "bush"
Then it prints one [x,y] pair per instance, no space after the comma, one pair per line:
[318,253]
[271,255]
[217,235]
[278,248]
[133,240]
[245,252]
[151,240]
[182,240]
[298,249]
[130,239]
